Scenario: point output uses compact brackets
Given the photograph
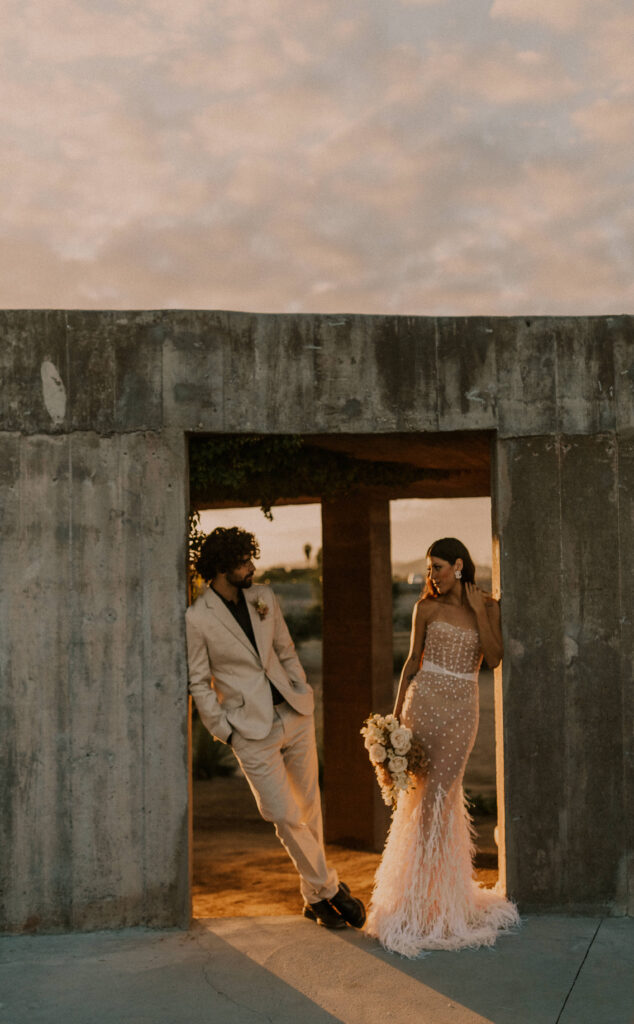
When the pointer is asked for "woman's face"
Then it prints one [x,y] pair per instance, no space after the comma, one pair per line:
[442,574]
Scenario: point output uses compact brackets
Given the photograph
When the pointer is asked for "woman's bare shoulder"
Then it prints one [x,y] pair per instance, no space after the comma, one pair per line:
[424,609]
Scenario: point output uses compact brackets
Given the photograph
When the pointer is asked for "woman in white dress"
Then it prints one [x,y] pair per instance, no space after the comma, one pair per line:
[425,896]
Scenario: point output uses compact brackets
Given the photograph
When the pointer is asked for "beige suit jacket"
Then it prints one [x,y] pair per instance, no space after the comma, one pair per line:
[229,679]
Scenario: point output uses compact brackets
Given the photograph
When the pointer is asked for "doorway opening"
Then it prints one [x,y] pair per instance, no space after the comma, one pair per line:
[239,865]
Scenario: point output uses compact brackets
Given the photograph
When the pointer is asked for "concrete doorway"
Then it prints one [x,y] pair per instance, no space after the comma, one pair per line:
[356,536]
[99,407]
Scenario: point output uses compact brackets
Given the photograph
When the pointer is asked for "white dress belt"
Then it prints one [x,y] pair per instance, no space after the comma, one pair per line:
[430,666]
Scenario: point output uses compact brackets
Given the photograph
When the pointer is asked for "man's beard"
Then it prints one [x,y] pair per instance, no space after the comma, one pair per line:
[242,583]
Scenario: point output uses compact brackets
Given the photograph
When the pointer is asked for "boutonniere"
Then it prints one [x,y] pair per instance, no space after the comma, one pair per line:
[261,608]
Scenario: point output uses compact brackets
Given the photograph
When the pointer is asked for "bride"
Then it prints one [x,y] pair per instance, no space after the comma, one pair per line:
[425,896]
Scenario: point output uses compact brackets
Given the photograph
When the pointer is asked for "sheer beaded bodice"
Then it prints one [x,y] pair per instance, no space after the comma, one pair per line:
[441,703]
[456,649]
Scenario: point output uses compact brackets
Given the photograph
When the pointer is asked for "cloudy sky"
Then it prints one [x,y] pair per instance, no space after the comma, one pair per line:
[377,156]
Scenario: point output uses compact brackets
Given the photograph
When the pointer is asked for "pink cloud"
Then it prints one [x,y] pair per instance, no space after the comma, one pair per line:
[560,15]
[314,157]
[609,121]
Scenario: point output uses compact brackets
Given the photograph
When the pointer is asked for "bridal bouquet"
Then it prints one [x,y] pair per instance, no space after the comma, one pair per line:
[396,757]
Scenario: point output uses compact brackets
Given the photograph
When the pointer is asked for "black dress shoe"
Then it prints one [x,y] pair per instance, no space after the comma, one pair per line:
[350,908]
[323,913]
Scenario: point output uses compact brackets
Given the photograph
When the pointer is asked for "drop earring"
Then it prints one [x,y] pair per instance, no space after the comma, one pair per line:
[458,574]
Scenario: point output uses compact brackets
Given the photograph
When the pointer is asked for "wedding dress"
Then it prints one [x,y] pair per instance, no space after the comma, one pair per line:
[425,896]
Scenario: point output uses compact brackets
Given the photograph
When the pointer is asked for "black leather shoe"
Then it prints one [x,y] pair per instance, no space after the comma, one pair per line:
[323,913]
[350,908]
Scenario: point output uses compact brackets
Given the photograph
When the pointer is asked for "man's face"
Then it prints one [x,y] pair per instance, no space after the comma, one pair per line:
[242,577]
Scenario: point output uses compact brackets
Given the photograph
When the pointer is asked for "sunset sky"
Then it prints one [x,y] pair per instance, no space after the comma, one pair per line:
[428,157]
[373,156]
[414,525]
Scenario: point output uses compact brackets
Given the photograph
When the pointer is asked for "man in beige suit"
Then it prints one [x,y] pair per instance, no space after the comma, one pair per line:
[251,692]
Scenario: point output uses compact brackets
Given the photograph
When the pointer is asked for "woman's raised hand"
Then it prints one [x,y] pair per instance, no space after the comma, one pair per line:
[475,597]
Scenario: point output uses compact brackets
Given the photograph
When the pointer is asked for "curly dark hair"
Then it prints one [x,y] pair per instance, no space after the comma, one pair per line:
[450,549]
[224,549]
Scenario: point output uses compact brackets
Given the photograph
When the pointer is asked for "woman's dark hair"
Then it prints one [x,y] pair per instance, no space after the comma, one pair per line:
[450,549]
[224,549]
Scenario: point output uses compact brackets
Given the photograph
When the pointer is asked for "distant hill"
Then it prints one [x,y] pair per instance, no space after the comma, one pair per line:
[401,570]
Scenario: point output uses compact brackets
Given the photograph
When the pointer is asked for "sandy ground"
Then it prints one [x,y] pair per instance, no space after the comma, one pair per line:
[240,867]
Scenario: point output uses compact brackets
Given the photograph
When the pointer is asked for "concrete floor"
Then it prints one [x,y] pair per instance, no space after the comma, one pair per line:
[285,970]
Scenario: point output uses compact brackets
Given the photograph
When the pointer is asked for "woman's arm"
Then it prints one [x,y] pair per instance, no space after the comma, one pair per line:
[412,665]
[487,615]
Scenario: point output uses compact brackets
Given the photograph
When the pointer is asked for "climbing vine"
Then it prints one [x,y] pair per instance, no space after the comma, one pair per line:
[260,470]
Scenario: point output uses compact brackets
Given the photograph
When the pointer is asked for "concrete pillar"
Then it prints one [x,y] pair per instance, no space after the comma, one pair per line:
[94,829]
[357,662]
[556,512]
[626,622]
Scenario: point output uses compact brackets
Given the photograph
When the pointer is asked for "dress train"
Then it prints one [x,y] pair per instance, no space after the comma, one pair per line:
[425,895]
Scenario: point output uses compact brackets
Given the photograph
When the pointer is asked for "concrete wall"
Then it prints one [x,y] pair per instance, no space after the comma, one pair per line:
[93,702]
[94,409]
[566,678]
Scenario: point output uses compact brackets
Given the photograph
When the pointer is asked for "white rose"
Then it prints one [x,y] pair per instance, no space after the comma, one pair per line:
[397,764]
[372,736]
[401,739]
[377,753]
[391,722]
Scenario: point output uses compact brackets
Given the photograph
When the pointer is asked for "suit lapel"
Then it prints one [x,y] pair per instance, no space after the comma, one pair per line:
[258,626]
[222,613]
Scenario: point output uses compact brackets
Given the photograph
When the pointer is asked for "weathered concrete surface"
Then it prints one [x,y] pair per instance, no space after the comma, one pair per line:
[284,969]
[94,412]
[563,616]
[109,365]
[626,623]
[239,372]
[94,681]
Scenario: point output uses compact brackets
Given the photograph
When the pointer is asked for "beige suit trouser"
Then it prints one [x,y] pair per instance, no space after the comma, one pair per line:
[282,772]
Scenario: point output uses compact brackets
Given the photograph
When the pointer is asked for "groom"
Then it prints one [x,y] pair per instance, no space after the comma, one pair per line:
[251,692]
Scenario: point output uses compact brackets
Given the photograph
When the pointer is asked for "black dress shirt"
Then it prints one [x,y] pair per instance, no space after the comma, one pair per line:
[240,613]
